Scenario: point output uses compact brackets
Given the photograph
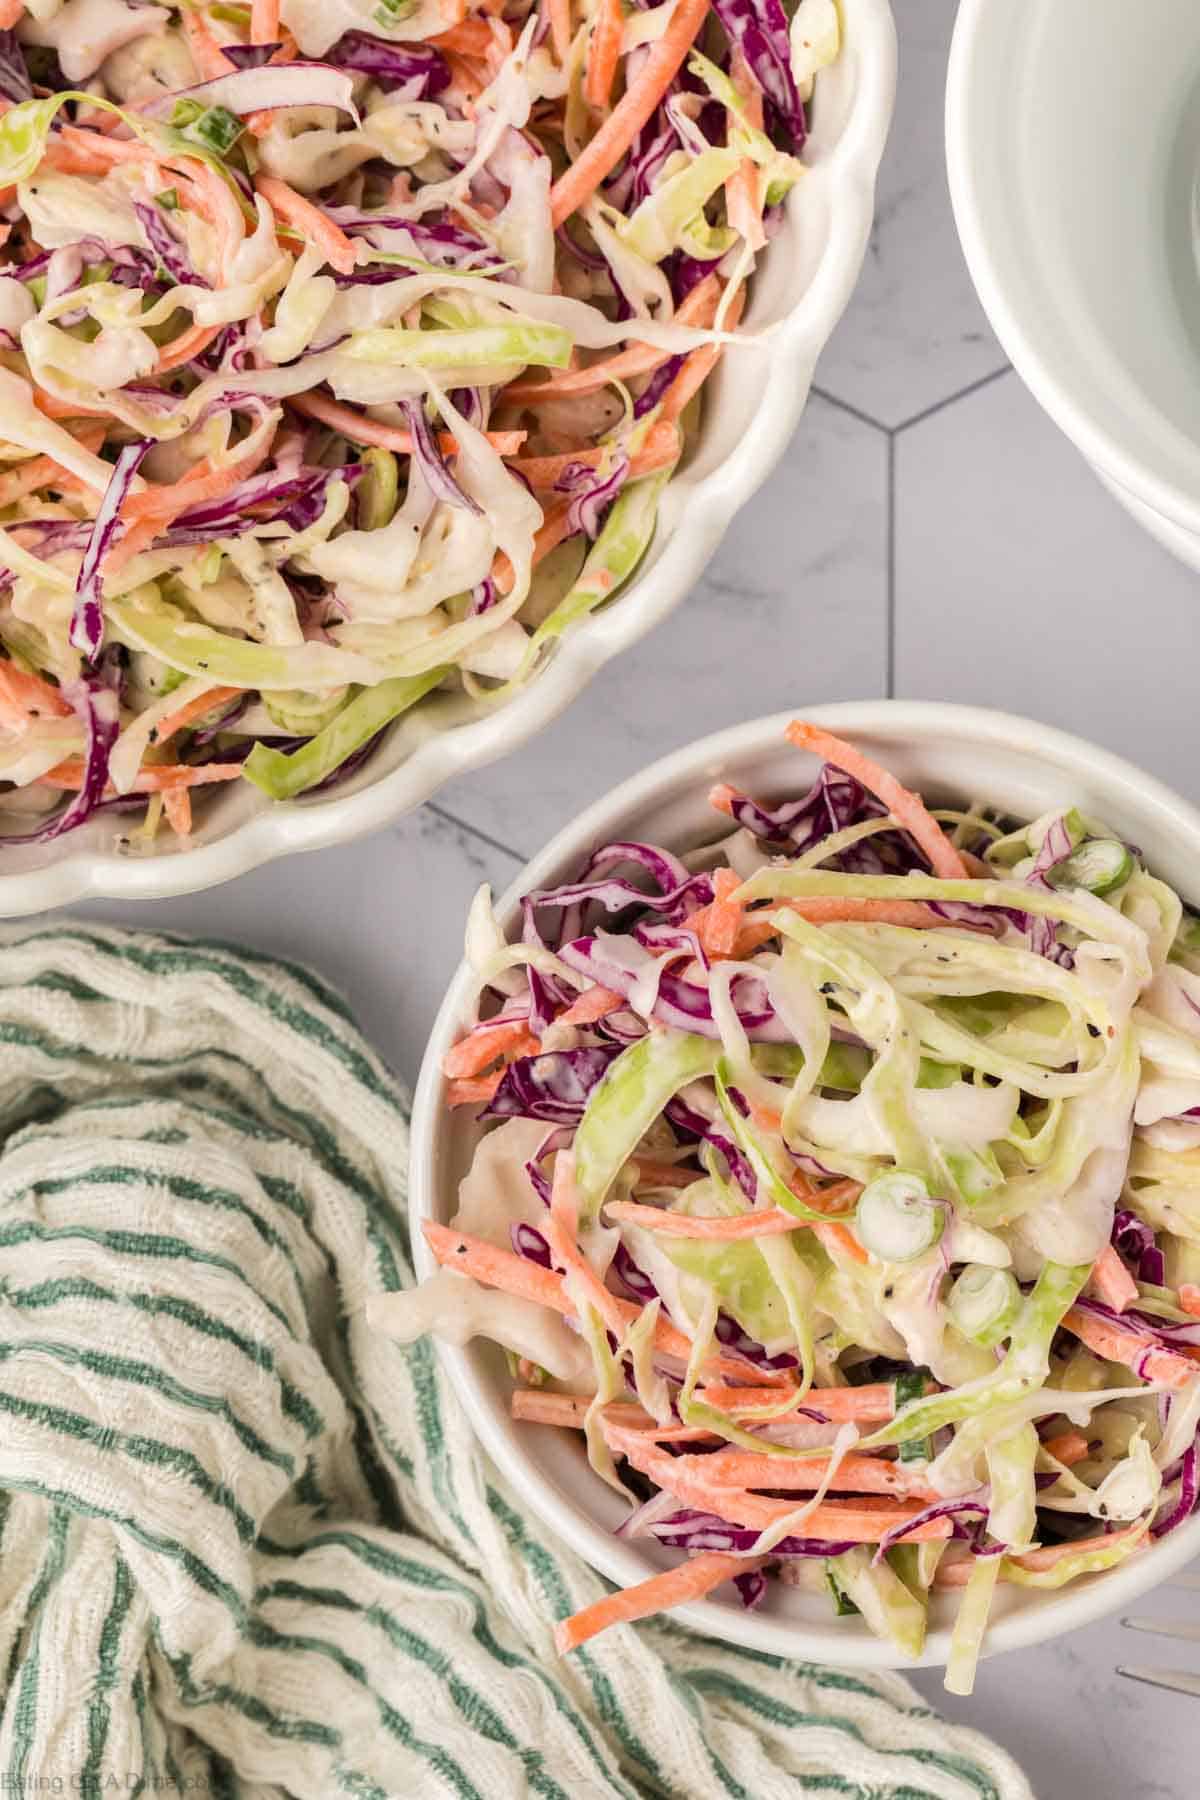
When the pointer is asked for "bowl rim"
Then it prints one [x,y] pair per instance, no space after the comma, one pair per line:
[1067,404]
[846,176]
[620,1562]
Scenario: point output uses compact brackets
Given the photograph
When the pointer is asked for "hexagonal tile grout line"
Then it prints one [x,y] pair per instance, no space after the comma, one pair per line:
[891,433]
[441,812]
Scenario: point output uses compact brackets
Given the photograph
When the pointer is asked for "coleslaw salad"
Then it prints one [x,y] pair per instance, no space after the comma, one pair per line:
[340,371]
[799,1396]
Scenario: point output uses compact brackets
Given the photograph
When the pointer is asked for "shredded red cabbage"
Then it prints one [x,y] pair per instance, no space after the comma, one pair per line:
[554,1087]
[87,620]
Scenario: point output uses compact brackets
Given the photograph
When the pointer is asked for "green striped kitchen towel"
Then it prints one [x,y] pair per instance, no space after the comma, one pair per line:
[247,1547]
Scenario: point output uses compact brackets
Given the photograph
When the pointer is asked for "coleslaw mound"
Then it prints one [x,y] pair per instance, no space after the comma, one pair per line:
[840,1188]
[345,351]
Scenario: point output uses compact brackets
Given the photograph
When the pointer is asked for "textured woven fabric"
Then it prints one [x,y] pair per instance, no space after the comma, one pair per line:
[247,1547]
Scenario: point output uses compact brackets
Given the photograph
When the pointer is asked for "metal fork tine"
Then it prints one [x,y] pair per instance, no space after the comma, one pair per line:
[1175,1680]
[1172,1628]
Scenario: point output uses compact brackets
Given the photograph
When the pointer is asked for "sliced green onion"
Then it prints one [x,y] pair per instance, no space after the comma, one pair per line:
[1101,866]
[217,129]
[896,1219]
[984,1304]
[911,1386]
[186,113]
[843,1605]
[916,1450]
[375,500]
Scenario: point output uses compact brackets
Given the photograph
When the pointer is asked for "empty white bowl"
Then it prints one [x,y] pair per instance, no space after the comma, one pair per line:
[752,407]
[948,752]
[1073,151]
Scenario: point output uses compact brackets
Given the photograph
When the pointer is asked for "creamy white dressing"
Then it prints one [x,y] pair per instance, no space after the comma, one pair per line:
[457,1309]
[85,32]
[961,1114]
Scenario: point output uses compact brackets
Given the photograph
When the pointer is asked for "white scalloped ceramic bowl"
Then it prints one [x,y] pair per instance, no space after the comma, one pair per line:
[751,412]
[948,752]
[1073,153]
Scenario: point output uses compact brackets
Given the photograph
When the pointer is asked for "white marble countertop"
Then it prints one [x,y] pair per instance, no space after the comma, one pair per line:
[951,545]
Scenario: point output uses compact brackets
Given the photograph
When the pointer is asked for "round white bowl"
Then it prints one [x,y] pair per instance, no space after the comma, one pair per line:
[1073,150]
[949,752]
[752,407]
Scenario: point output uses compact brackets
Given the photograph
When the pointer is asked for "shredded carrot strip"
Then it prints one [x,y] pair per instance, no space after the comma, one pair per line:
[264,21]
[744,188]
[1189,1299]
[853,1521]
[31,694]
[1136,1349]
[177,804]
[561,1229]
[470,37]
[832,909]
[153,778]
[51,407]
[905,806]
[185,347]
[698,366]
[186,715]
[660,450]
[560,29]
[206,53]
[361,430]
[1067,1448]
[767,1223]
[469,78]
[651,1173]
[473,1091]
[535,1406]
[44,471]
[697,309]
[743,203]
[203,482]
[691,1581]
[604,53]
[874,1403]
[639,100]
[548,536]
[514,1275]
[835,1239]
[659,1593]
[595,1003]
[855,1474]
[152,509]
[259,123]
[1112,1282]
[957,1574]
[482,1046]
[718,924]
[10,12]
[337,249]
